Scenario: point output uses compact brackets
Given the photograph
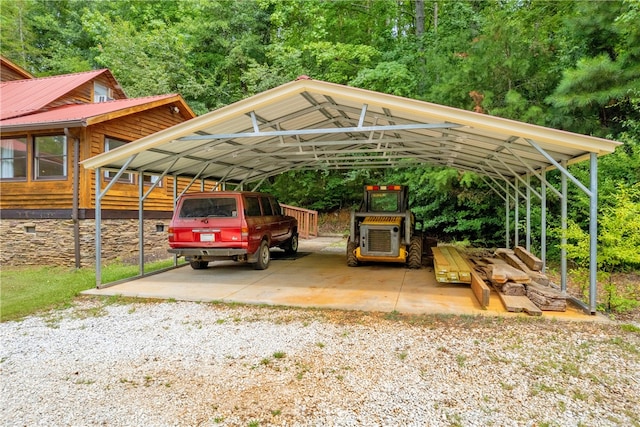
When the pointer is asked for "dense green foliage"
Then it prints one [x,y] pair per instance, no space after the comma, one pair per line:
[567,64]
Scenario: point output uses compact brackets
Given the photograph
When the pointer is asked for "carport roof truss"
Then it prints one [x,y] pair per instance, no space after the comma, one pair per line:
[314,125]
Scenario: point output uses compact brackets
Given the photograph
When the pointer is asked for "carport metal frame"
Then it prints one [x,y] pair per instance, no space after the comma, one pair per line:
[339,127]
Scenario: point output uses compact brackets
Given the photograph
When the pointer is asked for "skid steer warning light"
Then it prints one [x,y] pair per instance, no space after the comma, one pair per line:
[384,187]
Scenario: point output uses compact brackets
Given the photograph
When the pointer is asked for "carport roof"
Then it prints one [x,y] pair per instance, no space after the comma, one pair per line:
[310,124]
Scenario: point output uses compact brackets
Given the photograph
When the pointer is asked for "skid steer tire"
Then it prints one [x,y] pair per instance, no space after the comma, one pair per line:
[352,261]
[415,252]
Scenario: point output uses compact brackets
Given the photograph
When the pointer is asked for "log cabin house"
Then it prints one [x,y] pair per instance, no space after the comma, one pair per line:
[47,200]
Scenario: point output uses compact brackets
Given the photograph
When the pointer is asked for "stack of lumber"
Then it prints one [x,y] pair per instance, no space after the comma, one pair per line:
[516,261]
[531,284]
[539,290]
[450,266]
[510,284]
[514,274]
[508,279]
[547,298]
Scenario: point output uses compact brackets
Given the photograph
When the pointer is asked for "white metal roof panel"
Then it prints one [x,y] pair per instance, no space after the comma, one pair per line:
[309,124]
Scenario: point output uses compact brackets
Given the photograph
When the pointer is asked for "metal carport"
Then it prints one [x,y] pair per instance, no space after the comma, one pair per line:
[314,125]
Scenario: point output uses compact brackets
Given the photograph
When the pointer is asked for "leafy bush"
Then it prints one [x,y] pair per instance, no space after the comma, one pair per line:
[618,247]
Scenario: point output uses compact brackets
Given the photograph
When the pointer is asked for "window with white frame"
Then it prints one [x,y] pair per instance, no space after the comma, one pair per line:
[13,158]
[150,179]
[50,157]
[101,93]
[112,144]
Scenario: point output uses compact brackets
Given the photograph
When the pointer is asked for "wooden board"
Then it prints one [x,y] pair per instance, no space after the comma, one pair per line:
[479,287]
[518,304]
[503,273]
[512,288]
[450,266]
[532,261]
[510,258]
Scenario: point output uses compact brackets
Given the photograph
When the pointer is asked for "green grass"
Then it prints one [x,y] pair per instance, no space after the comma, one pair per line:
[28,290]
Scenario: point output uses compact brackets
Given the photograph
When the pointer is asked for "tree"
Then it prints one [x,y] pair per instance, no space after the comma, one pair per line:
[16,37]
[52,41]
[593,95]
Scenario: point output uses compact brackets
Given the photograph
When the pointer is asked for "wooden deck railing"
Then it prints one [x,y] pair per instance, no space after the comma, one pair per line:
[307,220]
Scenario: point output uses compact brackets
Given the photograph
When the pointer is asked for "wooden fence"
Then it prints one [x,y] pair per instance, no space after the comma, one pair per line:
[307,220]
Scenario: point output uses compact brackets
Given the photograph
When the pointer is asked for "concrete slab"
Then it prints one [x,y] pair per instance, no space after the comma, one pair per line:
[318,277]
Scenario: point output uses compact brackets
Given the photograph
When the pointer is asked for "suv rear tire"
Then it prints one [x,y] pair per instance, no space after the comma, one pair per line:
[291,247]
[264,256]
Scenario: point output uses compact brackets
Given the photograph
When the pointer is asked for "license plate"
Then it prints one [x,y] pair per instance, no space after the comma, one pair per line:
[207,238]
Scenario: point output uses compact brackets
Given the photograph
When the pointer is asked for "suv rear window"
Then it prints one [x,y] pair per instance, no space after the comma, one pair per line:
[219,207]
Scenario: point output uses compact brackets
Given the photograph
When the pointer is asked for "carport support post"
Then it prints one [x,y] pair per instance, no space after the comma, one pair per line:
[563,225]
[528,220]
[507,214]
[141,223]
[98,222]
[543,220]
[516,216]
[175,201]
[593,232]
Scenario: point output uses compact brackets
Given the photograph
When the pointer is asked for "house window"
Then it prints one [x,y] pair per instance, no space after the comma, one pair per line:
[13,159]
[150,179]
[50,157]
[101,93]
[112,144]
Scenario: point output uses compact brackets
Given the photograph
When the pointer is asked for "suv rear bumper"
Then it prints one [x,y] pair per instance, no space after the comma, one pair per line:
[215,252]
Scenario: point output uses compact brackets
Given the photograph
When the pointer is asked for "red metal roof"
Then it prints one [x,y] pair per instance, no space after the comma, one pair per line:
[79,114]
[20,97]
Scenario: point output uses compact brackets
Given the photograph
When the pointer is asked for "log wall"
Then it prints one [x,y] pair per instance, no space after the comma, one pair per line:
[32,194]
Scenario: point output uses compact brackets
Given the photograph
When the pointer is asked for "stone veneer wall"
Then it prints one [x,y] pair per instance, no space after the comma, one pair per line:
[50,241]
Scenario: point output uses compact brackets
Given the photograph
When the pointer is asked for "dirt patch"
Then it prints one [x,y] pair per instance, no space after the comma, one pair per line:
[336,222]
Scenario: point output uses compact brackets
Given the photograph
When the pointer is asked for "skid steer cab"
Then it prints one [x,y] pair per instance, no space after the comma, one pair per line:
[383,228]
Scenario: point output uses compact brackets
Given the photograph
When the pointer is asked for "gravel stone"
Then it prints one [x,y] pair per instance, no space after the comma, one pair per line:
[187,364]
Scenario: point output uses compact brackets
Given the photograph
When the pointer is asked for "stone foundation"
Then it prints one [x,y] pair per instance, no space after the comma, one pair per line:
[50,241]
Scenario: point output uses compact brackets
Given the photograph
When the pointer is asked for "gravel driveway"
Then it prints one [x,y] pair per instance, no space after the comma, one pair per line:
[187,364]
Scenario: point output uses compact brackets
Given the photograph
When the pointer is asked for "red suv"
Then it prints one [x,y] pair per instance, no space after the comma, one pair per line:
[224,225]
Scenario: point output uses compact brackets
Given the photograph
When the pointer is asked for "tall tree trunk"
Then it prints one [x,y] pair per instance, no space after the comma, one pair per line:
[419,18]
[435,17]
